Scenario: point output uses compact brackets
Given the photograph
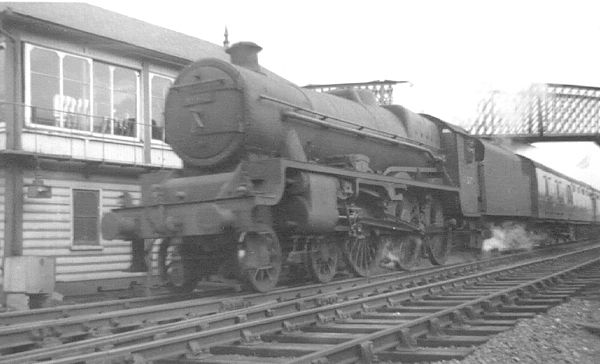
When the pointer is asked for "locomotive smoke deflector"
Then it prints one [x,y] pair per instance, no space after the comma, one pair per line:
[245,54]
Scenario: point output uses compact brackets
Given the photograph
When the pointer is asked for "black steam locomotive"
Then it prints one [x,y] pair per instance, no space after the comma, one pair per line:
[278,175]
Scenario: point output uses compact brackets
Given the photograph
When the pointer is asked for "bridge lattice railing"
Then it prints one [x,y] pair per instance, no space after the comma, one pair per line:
[543,110]
[382,90]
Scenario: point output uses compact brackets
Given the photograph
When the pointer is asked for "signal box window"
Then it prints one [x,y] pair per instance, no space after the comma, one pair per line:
[159,86]
[78,93]
[75,98]
[86,208]
[115,100]
[44,84]
[103,98]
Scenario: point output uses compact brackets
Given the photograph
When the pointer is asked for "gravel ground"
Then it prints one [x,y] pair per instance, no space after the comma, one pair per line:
[549,338]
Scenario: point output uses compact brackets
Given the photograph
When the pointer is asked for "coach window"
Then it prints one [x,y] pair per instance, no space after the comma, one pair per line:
[569,195]
[159,87]
[469,151]
[2,69]
[86,208]
[546,188]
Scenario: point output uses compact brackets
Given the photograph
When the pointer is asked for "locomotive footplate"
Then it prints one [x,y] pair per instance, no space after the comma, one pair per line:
[180,220]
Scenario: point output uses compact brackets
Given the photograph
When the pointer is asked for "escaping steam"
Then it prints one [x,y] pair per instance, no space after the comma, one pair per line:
[511,236]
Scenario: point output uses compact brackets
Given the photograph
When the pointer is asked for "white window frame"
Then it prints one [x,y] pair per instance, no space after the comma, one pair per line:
[74,246]
[28,114]
[151,75]
[61,55]
[138,130]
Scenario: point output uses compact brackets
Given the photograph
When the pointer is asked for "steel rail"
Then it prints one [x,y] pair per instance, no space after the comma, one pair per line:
[88,308]
[148,328]
[203,336]
[103,323]
[20,335]
[99,307]
[404,334]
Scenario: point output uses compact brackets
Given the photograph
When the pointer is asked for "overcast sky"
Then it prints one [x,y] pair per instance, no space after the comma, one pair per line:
[453,52]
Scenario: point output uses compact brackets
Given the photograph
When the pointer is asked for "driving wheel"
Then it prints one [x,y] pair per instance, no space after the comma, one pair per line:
[260,259]
[440,241]
[323,260]
[408,251]
[438,247]
[362,252]
[176,266]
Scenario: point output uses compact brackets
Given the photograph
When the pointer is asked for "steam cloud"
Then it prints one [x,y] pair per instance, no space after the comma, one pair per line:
[511,236]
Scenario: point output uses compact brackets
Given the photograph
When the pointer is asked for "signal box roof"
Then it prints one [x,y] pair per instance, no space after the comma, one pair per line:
[107,24]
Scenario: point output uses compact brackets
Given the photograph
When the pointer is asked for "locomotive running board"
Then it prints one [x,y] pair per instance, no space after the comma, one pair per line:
[362,176]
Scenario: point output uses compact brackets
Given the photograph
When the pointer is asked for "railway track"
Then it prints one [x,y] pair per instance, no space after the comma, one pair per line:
[218,296]
[89,308]
[103,306]
[224,328]
[34,334]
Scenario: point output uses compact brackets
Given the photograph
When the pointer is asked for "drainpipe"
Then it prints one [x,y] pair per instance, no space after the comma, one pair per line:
[13,214]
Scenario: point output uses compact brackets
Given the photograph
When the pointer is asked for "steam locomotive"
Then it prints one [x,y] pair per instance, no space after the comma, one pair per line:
[275,175]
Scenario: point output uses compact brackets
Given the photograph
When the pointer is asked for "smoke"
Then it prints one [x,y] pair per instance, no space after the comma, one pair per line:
[511,236]
[390,255]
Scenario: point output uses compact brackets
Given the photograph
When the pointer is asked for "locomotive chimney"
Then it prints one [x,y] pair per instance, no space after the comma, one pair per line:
[245,54]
